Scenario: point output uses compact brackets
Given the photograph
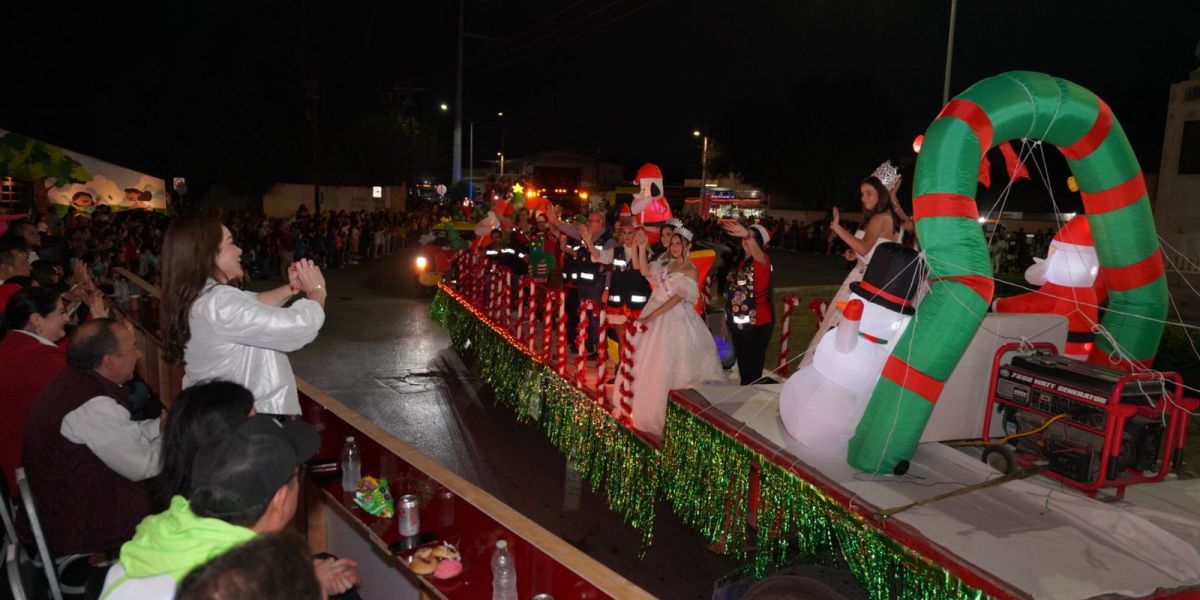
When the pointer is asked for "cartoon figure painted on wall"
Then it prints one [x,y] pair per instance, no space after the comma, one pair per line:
[1067,280]
[649,204]
[822,403]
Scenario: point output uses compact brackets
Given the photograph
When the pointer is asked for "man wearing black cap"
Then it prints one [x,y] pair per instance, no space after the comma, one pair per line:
[243,486]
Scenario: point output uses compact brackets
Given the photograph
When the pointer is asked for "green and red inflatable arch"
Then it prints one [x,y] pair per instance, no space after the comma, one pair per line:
[1006,107]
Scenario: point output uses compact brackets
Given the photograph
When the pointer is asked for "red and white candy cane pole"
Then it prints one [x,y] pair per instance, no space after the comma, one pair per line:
[468,277]
[506,300]
[531,333]
[503,305]
[495,295]
[562,333]
[789,303]
[547,324]
[477,279]
[581,346]
[624,400]
[601,355]
[469,280]
[521,287]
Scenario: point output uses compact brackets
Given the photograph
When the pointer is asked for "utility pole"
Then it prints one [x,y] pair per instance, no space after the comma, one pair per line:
[471,168]
[456,168]
[949,52]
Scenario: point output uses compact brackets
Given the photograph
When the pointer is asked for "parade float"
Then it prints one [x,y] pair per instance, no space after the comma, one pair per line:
[869,458]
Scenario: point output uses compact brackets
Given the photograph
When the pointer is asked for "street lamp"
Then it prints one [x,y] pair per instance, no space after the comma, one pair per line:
[444,107]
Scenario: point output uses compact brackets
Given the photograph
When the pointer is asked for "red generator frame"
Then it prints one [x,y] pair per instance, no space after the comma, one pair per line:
[1172,409]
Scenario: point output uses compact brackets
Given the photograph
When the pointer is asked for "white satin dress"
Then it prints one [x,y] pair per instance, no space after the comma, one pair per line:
[676,350]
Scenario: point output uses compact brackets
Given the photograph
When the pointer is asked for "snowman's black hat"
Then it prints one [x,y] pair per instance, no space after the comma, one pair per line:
[892,278]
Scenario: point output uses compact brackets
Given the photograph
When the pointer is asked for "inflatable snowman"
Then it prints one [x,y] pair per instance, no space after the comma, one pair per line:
[1068,280]
[823,402]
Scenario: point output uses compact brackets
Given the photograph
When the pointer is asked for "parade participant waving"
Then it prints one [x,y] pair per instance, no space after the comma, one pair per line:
[675,350]
[883,224]
[749,313]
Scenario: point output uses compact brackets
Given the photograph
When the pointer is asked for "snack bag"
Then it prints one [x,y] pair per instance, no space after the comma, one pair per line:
[374,497]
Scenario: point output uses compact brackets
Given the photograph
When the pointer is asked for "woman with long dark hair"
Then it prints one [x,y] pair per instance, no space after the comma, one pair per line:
[222,332]
[749,301]
[205,412]
[33,322]
[885,222]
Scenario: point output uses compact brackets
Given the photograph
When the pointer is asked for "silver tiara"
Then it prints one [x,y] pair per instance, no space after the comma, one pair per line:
[673,223]
[886,174]
[684,233]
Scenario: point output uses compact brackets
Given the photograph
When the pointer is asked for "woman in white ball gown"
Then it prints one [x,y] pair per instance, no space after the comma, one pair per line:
[676,350]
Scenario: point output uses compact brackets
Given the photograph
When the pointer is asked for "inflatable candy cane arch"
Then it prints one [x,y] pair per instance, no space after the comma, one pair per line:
[1009,106]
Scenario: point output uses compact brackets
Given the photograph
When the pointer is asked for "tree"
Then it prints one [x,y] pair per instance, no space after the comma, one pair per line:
[23,157]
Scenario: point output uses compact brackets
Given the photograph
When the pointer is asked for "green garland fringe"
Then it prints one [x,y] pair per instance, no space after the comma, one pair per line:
[613,459]
[706,476]
[792,510]
[703,472]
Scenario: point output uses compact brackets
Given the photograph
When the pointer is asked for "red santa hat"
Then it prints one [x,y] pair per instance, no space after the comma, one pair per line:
[648,171]
[1077,231]
[625,219]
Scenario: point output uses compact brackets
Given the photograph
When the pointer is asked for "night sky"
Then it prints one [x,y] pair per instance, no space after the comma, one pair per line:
[217,91]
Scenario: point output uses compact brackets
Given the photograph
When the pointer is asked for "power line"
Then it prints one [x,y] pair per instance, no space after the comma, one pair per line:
[551,33]
[518,36]
[586,32]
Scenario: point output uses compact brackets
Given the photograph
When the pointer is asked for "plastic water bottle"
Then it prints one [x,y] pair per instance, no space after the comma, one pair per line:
[504,573]
[351,465]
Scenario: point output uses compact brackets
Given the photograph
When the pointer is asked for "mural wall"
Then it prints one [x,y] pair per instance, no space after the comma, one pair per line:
[77,180]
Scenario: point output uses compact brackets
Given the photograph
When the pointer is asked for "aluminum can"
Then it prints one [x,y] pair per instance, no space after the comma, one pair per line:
[444,511]
[408,515]
[543,597]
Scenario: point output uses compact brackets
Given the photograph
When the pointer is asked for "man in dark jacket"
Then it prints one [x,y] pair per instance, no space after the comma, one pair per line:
[84,458]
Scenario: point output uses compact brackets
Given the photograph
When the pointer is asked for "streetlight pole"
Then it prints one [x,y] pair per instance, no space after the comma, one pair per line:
[471,168]
[703,173]
[456,168]
[949,52]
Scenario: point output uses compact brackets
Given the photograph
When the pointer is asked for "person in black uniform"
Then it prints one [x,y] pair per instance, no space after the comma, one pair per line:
[586,244]
[628,289]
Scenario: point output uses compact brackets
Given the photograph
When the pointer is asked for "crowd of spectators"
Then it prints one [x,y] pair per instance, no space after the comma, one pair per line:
[331,239]
[85,428]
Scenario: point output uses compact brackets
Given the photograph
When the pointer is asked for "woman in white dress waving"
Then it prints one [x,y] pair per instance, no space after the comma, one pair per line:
[885,222]
[675,350]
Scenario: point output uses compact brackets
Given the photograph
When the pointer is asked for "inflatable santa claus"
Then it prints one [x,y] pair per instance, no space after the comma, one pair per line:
[649,204]
[1068,286]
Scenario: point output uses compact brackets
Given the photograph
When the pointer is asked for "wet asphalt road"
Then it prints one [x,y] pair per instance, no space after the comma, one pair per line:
[380,354]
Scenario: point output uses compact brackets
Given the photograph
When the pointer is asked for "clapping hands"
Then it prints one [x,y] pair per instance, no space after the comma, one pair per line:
[336,575]
[306,276]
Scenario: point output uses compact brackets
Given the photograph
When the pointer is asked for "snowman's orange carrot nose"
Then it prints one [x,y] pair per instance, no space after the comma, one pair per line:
[841,305]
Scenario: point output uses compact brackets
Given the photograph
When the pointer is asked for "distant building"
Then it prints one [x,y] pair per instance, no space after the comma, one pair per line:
[725,197]
[594,173]
[1177,201]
